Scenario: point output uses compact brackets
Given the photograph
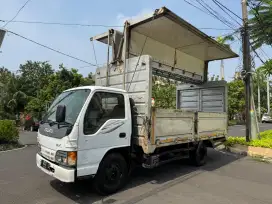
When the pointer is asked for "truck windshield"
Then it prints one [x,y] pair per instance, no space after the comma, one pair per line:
[73,100]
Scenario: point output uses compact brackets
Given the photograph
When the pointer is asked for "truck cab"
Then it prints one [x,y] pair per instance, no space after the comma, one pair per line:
[80,127]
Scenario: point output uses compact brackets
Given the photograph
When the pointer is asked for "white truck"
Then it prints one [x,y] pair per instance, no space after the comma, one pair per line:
[102,131]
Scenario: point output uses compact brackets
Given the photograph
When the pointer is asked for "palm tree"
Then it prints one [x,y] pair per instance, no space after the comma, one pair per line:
[223,40]
[260,78]
[266,68]
[260,22]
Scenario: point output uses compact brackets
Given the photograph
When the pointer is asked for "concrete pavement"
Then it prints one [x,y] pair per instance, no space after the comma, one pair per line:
[226,178]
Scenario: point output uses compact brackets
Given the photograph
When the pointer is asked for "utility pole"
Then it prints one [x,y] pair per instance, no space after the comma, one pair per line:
[247,69]
[268,94]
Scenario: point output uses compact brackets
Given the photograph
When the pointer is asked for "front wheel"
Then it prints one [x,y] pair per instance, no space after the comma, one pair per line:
[198,156]
[112,174]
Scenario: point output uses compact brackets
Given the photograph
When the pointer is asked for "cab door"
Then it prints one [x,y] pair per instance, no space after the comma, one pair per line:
[105,125]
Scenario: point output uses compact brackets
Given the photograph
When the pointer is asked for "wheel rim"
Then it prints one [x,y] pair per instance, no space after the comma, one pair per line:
[113,175]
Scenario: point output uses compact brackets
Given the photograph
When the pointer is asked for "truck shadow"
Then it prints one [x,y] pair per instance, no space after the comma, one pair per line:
[162,178]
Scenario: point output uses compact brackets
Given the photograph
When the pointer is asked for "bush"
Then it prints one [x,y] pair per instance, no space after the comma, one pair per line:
[8,132]
[265,141]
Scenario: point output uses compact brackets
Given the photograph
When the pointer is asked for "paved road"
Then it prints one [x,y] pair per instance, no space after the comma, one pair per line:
[240,130]
[225,179]
[27,137]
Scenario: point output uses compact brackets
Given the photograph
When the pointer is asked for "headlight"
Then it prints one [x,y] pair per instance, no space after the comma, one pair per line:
[66,158]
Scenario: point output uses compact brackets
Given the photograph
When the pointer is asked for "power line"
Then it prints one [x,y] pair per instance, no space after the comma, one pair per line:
[198,8]
[63,24]
[217,15]
[87,25]
[226,23]
[17,13]
[213,13]
[215,28]
[221,5]
[52,49]
[228,9]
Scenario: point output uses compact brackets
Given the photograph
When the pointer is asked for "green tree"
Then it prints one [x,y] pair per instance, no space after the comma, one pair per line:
[236,98]
[260,22]
[12,99]
[266,68]
[59,81]
[34,76]
[164,92]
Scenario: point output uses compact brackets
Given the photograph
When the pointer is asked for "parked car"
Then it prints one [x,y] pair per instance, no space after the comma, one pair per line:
[266,118]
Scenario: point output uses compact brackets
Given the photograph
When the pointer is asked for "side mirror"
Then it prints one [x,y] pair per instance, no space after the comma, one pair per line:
[60,113]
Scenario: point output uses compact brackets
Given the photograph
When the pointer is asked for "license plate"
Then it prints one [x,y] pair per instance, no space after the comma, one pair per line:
[45,165]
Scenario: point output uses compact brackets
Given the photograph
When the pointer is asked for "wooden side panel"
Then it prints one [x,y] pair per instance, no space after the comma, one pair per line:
[172,126]
[212,124]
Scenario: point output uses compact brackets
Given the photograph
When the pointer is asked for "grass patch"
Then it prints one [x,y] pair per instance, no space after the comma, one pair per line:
[9,146]
[265,141]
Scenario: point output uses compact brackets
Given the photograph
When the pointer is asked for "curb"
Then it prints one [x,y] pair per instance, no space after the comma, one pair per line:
[14,149]
[247,151]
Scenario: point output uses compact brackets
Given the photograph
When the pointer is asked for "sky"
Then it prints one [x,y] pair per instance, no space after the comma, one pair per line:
[75,40]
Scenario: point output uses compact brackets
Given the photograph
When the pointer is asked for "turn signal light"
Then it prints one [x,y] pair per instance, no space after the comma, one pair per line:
[72,158]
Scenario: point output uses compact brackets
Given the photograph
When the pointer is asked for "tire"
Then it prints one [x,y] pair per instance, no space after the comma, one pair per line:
[198,156]
[112,174]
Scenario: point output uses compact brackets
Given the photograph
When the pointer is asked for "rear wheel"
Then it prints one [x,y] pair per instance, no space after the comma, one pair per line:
[112,174]
[198,156]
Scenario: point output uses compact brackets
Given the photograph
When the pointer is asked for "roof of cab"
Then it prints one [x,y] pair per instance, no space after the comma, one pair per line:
[97,88]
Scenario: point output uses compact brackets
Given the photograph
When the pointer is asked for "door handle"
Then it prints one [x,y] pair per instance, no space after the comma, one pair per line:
[122,135]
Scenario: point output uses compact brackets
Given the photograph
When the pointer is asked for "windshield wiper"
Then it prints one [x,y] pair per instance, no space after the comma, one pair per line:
[62,124]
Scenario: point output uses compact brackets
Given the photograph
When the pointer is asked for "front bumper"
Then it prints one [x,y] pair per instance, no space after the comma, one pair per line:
[61,173]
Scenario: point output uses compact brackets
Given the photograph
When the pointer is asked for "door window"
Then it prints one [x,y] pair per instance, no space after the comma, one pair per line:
[103,107]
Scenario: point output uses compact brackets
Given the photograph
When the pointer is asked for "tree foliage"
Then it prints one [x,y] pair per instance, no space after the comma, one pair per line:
[164,92]
[266,68]
[260,22]
[236,98]
[35,86]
